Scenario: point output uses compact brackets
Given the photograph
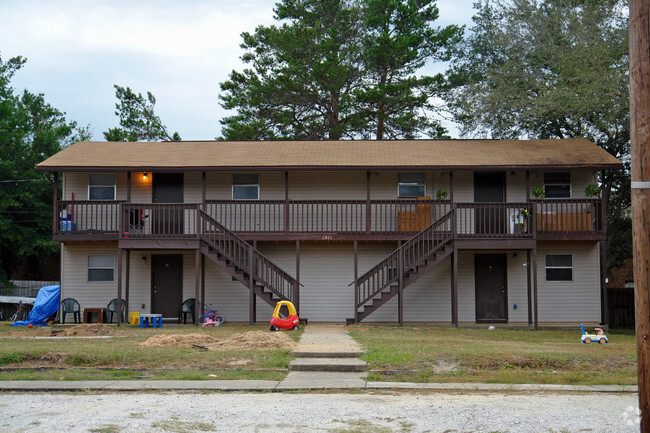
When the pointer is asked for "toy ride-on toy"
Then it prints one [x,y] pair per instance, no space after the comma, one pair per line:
[588,338]
[284,319]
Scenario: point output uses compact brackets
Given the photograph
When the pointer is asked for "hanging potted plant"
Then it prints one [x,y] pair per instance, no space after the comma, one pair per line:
[539,193]
[593,190]
[442,194]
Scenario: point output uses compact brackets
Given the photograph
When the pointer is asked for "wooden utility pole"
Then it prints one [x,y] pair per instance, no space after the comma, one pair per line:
[640,135]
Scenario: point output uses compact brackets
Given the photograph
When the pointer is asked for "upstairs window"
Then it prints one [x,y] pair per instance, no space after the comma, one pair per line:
[245,187]
[101,267]
[557,185]
[410,185]
[559,267]
[101,186]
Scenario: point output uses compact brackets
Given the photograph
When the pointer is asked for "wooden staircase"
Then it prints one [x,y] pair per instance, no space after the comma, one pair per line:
[245,263]
[403,267]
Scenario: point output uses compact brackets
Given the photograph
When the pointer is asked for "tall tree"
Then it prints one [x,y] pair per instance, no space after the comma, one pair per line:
[550,69]
[319,75]
[398,40]
[30,131]
[138,121]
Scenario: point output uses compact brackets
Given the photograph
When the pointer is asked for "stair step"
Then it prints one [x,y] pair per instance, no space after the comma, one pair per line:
[329,364]
[336,354]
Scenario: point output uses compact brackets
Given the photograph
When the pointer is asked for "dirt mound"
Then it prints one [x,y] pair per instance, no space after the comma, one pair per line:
[180,340]
[255,340]
[86,330]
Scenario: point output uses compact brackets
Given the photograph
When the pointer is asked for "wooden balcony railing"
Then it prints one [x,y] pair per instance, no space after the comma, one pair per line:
[561,218]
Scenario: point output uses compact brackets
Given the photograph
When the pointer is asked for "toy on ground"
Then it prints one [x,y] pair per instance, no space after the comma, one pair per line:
[291,320]
[211,318]
[588,338]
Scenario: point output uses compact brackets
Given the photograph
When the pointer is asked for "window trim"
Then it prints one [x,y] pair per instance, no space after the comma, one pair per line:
[89,268]
[114,186]
[423,184]
[547,267]
[555,184]
[257,185]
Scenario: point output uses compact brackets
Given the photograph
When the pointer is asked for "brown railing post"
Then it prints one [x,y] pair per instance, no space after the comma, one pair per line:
[356,282]
[251,287]
[197,209]
[286,202]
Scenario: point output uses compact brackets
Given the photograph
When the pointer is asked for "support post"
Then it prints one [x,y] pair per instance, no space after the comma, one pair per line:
[528,278]
[197,281]
[128,187]
[55,198]
[296,293]
[119,286]
[127,284]
[286,202]
[400,300]
[356,276]
[454,288]
[640,136]
[451,186]
[368,216]
[200,303]
[604,308]
[251,287]
[535,307]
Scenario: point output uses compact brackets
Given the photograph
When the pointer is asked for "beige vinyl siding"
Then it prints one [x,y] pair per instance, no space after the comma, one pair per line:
[570,301]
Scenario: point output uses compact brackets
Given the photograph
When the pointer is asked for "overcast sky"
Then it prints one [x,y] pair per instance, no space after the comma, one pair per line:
[180,51]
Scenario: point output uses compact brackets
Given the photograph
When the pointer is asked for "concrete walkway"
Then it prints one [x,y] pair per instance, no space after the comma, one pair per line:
[326,358]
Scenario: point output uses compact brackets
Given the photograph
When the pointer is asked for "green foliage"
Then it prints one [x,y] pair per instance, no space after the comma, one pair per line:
[442,194]
[337,69]
[539,193]
[138,121]
[551,69]
[31,130]
[592,190]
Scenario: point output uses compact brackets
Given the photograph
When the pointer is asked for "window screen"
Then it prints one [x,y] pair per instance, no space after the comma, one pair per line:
[559,267]
[557,185]
[101,267]
[245,187]
[101,186]
[411,185]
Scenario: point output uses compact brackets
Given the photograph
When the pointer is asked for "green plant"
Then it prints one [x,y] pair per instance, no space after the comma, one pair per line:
[539,193]
[442,194]
[525,213]
[592,190]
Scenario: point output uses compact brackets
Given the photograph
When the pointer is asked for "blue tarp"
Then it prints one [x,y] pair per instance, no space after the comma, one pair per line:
[46,304]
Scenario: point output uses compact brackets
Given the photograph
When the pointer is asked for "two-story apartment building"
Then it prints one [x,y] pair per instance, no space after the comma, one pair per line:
[436,231]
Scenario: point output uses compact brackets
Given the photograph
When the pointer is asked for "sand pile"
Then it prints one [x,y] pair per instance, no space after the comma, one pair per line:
[180,340]
[87,330]
[255,340]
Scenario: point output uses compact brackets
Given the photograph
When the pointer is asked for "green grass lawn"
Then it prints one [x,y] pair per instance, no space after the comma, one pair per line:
[446,354]
[122,357]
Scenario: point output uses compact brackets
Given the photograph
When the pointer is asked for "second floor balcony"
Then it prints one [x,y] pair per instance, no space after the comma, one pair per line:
[330,220]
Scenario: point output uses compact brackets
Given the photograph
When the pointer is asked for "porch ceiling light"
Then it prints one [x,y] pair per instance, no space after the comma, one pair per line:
[145,176]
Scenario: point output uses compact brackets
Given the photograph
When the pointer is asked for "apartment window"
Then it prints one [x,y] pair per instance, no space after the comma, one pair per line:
[557,185]
[101,267]
[559,267]
[101,186]
[245,187]
[411,185]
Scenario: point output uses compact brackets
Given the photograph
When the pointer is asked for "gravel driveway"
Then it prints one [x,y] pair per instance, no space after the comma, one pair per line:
[290,412]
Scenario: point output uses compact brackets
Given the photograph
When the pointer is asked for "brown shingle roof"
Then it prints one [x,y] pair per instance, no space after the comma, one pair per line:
[330,155]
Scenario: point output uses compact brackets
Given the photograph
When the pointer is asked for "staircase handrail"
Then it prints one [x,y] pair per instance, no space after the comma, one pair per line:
[432,235]
[238,252]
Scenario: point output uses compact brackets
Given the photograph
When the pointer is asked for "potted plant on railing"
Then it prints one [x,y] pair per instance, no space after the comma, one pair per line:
[520,219]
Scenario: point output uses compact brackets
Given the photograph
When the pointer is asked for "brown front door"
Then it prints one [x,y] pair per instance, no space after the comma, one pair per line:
[167,188]
[491,288]
[490,188]
[166,284]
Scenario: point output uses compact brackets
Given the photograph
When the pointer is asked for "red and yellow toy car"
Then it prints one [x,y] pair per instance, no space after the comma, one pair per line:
[286,318]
